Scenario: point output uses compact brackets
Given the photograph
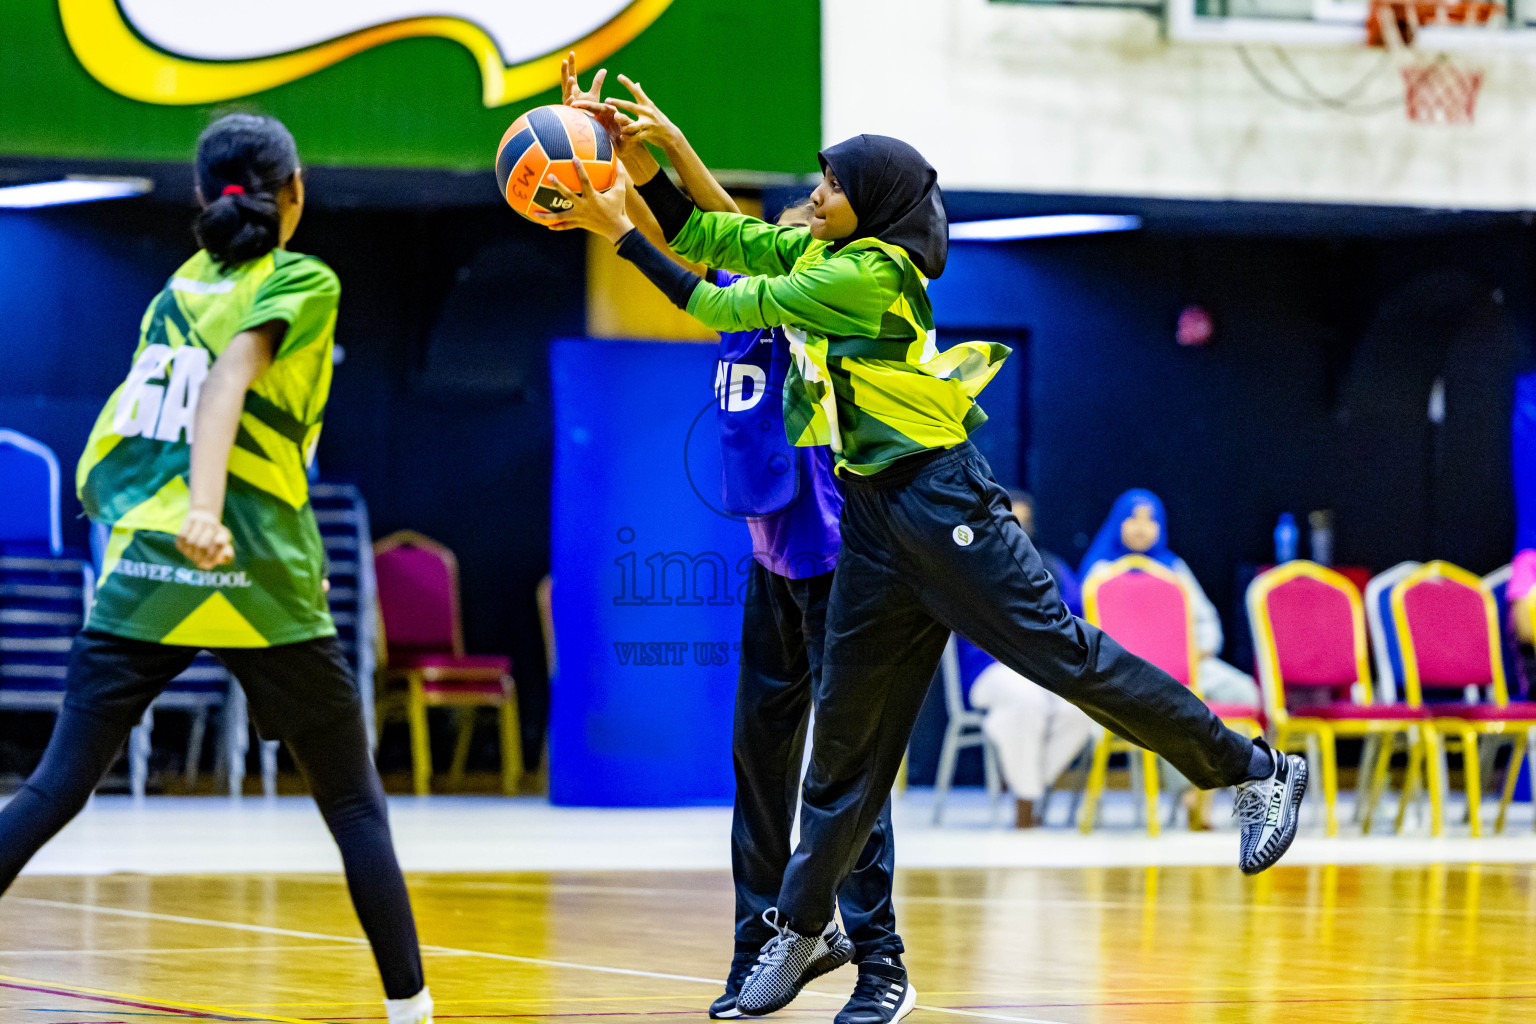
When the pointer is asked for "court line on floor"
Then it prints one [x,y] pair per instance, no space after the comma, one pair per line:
[1053,902]
[262,929]
[171,1007]
[451,951]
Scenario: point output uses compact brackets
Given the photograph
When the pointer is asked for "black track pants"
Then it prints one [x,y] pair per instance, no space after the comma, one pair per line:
[783,629]
[930,546]
[300,693]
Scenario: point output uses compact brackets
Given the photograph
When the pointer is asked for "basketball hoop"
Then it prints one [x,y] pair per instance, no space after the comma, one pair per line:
[1436,88]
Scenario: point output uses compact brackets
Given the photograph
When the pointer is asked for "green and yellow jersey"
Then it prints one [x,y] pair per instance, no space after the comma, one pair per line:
[867,378]
[133,475]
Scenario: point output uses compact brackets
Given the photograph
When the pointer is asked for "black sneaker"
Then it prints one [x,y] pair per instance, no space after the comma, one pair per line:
[882,996]
[1268,810]
[787,963]
[724,1008]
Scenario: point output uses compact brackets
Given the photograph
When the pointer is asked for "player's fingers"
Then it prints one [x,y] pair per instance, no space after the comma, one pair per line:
[634,87]
[581,174]
[639,91]
[597,81]
[559,186]
[625,105]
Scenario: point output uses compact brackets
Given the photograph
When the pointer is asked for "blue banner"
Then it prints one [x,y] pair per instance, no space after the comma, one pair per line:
[648,579]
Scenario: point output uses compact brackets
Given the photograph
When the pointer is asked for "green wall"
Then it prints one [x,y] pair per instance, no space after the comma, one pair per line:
[742,77]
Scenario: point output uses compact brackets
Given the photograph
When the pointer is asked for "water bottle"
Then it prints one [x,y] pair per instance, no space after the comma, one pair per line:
[1286,538]
[1321,523]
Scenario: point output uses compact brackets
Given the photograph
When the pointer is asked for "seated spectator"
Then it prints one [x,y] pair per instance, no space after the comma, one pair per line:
[1137,525]
[1066,580]
[1037,734]
[1521,595]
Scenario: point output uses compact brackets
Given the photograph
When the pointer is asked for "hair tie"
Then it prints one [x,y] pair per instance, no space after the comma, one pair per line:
[233,190]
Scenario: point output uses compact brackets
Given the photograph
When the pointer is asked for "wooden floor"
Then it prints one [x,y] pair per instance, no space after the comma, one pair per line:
[1318,945]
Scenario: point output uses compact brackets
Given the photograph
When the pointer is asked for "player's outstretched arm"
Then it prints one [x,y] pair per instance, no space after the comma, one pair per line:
[633,152]
[641,120]
[837,297]
[204,538]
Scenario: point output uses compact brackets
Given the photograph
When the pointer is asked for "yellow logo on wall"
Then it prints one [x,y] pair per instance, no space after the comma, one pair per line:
[207,51]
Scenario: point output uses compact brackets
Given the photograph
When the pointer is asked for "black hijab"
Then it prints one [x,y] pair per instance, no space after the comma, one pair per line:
[895,194]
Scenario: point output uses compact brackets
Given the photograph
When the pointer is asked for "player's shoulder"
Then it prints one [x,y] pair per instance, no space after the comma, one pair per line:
[301,271]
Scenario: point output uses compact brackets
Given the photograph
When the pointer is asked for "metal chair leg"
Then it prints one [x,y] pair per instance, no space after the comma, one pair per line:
[949,753]
[237,732]
[1377,779]
[1328,746]
[1368,754]
[269,767]
[139,746]
[1133,768]
[1149,789]
[1088,813]
[1418,753]
[993,778]
[1434,770]
[1511,777]
[195,736]
[461,747]
[421,743]
[1472,776]
[511,747]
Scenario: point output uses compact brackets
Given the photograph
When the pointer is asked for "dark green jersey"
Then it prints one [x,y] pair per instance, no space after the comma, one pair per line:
[133,474]
[868,379]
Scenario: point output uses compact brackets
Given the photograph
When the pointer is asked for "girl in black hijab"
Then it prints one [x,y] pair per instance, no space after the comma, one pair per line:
[929,541]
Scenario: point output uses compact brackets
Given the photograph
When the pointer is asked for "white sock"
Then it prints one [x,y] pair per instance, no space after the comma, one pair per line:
[415,1010]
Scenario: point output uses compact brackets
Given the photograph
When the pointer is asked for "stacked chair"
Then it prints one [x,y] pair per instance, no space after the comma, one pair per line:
[342,515]
[43,595]
[1146,608]
[42,606]
[29,505]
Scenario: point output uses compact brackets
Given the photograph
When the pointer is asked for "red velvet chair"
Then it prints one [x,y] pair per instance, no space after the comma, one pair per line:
[1447,625]
[422,662]
[1146,608]
[1309,644]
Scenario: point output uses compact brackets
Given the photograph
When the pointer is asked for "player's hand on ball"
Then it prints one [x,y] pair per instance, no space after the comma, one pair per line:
[204,540]
[601,213]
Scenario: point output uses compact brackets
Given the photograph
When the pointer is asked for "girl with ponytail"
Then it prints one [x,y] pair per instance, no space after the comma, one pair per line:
[248,182]
[198,463]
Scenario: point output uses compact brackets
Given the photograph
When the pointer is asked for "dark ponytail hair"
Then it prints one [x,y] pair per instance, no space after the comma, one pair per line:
[242,162]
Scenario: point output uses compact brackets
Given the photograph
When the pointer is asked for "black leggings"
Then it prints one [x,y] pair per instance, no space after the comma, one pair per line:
[111,676]
[929,547]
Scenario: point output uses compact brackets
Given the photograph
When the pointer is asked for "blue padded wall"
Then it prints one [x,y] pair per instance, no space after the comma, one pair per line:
[647,579]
